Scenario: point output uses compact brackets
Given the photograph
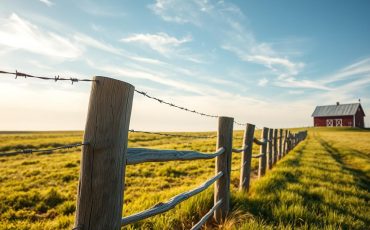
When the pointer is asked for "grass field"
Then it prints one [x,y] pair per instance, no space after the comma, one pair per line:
[324,183]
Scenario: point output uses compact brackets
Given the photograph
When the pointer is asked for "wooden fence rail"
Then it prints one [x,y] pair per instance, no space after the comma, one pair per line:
[102,175]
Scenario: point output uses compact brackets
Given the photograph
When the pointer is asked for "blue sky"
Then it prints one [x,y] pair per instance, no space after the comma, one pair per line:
[264,62]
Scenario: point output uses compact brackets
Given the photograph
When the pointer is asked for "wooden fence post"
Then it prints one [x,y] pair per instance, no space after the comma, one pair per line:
[280,143]
[269,149]
[223,164]
[295,140]
[102,173]
[263,148]
[289,141]
[275,146]
[246,162]
[285,148]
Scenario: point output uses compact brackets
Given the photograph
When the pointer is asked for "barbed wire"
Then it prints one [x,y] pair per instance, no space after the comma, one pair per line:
[58,78]
[55,78]
[29,151]
[182,108]
[172,135]
[173,105]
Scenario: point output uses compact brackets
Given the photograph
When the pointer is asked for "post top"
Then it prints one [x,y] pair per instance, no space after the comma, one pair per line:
[103,78]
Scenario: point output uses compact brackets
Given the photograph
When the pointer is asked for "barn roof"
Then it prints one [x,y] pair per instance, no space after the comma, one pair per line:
[336,110]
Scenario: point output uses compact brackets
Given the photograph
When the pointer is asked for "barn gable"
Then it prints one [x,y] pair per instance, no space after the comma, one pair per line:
[337,110]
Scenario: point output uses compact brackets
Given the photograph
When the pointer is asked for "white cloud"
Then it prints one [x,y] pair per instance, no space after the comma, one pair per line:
[263,82]
[147,75]
[160,42]
[305,84]
[18,33]
[296,92]
[357,69]
[244,45]
[237,38]
[101,45]
[47,2]
[89,41]
[181,11]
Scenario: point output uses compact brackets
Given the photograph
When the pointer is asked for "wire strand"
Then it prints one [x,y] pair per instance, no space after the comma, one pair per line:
[55,78]
[29,151]
[73,80]
[172,135]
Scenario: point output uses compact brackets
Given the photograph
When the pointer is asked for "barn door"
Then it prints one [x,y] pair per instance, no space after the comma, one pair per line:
[338,122]
[329,122]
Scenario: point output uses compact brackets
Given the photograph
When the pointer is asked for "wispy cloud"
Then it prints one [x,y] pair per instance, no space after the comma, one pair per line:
[18,33]
[160,42]
[237,38]
[88,41]
[304,84]
[181,11]
[47,2]
[242,42]
[263,82]
[146,75]
[357,69]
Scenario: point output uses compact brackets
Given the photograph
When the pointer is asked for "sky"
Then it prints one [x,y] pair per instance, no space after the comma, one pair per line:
[268,63]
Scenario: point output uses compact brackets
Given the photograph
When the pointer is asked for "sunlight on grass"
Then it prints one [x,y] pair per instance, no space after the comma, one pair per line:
[322,184]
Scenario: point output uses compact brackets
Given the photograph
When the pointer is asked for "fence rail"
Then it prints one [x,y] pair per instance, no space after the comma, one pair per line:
[46,151]
[141,155]
[105,156]
[163,207]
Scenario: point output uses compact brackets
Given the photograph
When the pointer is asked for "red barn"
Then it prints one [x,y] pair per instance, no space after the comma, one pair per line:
[339,115]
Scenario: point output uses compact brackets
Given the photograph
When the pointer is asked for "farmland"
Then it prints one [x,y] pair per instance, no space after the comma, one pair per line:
[323,183]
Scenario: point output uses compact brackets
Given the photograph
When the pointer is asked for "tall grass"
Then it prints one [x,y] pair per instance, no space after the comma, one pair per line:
[322,184]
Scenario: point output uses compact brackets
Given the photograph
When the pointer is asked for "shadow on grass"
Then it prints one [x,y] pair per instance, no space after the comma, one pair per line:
[362,180]
[290,198]
[282,176]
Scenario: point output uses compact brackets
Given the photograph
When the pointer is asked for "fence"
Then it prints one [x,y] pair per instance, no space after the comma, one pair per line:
[101,185]
[105,155]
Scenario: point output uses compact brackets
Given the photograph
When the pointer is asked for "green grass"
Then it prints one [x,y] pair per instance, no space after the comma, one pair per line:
[38,191]
[322,184]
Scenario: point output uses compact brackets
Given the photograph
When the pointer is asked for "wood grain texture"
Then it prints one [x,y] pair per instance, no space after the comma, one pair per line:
[275,146]
[285,143]
[263,148]
[141,155]
[269,149]
[246,161]
[223,164]
[164,207]
[206,216]
[102,173]
[280,155]
[289,142]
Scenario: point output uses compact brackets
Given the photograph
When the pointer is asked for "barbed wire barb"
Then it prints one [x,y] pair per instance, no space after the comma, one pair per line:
[55,78]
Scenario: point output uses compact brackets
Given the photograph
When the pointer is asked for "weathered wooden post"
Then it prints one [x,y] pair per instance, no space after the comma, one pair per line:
[289,141]
[269,149]
[285,148]
[246,162]
[223,164]
[263,148]
[295,140]
[280,143]
[101,184]
[275,146]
